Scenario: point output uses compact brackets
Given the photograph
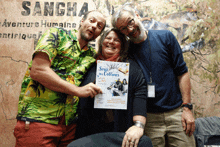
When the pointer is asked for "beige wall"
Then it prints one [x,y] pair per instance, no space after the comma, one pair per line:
[17,45]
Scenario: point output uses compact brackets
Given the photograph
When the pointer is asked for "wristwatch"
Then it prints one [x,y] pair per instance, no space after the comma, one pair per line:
[188,105]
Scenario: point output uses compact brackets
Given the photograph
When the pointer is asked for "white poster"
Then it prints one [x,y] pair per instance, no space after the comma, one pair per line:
[112,77]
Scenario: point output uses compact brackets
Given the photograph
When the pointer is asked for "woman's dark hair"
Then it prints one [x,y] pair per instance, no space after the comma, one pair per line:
[124,43]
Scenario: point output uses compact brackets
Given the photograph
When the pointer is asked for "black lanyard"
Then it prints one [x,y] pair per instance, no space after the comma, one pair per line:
[141,64]
[150,58]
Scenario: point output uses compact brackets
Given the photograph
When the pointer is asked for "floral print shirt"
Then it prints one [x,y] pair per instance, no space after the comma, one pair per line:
[40,104]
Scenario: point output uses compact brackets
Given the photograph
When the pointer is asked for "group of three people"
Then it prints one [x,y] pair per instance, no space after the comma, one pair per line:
[53,85]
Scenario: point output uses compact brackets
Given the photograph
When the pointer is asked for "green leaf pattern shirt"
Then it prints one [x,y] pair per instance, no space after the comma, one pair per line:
[40,104]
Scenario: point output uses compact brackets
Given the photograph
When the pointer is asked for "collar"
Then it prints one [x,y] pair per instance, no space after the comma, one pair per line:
[73,36]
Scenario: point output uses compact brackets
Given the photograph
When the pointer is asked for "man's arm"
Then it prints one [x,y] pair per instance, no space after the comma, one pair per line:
[188,120]
[41,72]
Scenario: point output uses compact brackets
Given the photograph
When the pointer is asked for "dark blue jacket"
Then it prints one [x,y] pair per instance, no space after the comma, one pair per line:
[164,59]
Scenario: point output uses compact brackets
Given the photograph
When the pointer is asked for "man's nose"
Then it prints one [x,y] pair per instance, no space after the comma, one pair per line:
[130,29]
[94,25]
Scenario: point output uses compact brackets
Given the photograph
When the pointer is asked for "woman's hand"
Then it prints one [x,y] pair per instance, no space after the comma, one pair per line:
[132,136]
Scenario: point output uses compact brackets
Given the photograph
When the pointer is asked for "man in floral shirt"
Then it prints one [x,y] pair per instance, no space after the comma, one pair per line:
[49,92]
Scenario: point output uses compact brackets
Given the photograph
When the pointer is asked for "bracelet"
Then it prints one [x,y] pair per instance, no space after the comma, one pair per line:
[139,124]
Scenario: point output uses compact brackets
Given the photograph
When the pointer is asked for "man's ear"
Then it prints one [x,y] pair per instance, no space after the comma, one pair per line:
[138,16]
[81,21]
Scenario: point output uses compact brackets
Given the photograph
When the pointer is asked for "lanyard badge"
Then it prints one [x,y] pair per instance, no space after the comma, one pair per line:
[151,88]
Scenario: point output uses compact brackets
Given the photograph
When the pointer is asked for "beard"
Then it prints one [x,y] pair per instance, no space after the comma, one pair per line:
[140,38]
[85,37]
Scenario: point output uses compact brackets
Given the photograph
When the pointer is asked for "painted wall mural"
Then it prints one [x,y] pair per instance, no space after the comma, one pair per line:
[195,23]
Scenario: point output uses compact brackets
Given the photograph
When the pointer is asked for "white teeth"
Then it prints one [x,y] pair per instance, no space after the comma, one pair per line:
[110,47]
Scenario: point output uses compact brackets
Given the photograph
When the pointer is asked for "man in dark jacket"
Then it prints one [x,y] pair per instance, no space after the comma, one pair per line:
[160,57]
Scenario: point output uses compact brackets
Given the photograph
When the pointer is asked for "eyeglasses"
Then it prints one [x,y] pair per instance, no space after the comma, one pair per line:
[130,25]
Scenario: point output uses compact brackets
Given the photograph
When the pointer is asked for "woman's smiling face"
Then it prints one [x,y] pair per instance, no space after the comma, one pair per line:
[111,45]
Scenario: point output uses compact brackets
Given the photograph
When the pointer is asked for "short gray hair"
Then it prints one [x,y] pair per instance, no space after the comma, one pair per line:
[129,7]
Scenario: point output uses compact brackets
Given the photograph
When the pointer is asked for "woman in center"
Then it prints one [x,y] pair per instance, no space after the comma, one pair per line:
[113,47]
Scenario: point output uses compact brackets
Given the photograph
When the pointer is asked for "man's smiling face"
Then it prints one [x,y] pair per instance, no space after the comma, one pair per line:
[131,26]
[92,26]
